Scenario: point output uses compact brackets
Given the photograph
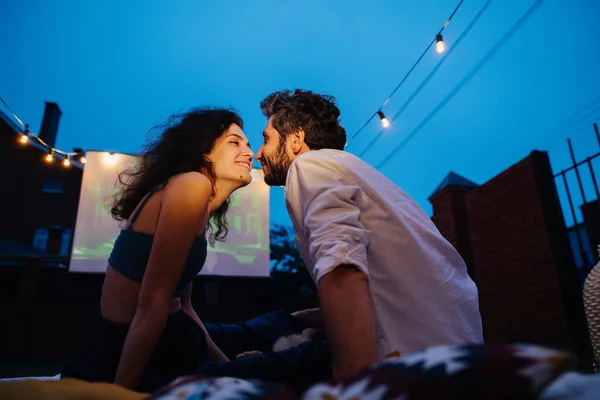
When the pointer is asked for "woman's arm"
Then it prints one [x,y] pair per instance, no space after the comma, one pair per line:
[183,213]
[214,352]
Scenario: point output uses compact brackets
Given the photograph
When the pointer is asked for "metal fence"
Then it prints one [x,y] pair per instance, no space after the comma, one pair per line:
[583,234]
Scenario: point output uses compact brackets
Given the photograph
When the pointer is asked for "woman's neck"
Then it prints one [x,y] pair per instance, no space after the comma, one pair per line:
[222,191]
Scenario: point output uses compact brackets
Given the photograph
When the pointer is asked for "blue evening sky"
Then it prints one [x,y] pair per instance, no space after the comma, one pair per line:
[118,68]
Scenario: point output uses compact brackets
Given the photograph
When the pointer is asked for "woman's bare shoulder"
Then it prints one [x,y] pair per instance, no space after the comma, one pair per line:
[189,181]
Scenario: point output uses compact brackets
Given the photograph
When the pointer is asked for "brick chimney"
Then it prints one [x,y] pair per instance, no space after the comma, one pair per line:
[50,122]
[450,214]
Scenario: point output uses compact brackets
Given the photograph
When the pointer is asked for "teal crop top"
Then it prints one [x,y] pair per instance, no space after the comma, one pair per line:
[131,252]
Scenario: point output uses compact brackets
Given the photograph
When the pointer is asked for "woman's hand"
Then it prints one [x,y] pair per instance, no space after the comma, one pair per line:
[248,354]
[214,353]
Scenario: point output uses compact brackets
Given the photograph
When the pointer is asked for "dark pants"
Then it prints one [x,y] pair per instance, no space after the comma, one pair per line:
[179,351]
[297,367]
[182,351]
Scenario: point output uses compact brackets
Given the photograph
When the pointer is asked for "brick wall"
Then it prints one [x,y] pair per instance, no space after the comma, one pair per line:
[512,235]
[450,214]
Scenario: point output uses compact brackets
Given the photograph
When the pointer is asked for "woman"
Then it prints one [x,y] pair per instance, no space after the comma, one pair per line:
[176,195]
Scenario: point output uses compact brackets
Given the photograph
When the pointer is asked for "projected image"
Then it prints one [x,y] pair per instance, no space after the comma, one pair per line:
[245,253]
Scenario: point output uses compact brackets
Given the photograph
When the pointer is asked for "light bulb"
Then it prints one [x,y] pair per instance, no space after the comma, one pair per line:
[25,136]
[439,43]
[384,120]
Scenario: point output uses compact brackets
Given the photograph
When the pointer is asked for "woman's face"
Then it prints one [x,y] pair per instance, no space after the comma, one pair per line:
[232,157]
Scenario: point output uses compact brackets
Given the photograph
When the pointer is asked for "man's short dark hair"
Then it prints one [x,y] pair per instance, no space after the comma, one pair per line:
[317,115]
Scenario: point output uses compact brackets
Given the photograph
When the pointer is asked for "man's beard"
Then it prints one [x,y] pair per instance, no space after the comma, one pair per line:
[278,164]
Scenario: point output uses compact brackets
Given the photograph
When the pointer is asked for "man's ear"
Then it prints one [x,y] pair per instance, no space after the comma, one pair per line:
[297,140]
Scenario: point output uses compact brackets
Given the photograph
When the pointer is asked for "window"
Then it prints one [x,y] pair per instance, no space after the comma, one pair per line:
[40,239]
[65,243]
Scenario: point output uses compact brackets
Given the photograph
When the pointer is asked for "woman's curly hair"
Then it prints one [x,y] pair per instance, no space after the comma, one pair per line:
[183,145]
[317,115]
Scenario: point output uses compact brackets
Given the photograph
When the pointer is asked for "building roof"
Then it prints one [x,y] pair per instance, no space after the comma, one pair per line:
[453,179]
[10,122]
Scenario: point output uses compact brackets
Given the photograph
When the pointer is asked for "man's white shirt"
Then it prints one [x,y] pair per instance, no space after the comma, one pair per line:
[344,211]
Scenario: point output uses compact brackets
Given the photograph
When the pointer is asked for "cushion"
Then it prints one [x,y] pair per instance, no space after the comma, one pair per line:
[201,387]
[64,389]
[514,371]
[454,372]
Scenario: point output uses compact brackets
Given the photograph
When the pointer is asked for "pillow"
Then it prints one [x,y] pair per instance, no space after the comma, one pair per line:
[200,387]
[65,389]
[454,372]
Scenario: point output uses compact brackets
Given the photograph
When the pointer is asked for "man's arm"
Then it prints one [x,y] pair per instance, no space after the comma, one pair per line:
[326,208]
[349,320]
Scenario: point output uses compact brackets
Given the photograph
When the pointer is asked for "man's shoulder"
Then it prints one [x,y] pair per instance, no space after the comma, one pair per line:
[317,169]
[328,158]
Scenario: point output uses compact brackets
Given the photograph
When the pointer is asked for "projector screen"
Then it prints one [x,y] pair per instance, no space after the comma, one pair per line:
[245,252]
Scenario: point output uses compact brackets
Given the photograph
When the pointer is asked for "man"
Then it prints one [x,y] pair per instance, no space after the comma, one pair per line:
[388,281]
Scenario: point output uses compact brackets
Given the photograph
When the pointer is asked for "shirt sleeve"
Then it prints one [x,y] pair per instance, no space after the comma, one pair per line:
[327,205]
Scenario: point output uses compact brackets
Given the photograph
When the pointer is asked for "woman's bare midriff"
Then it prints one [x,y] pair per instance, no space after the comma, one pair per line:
[118,301]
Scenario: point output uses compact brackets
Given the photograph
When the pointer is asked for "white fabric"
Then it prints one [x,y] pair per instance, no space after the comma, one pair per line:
[346,212]
[22,378]
[573,385]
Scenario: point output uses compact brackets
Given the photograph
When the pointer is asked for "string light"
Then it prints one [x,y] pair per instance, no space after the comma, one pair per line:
[494,49]
[439,43]
[414,94]
[79,155]
[384,120]
[26,136]
[49,157]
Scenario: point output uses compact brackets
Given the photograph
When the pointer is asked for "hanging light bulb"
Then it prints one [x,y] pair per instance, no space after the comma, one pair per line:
[79,155]
[49,157]
[384,120]
[439,43]
[24,138]
[67,161]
